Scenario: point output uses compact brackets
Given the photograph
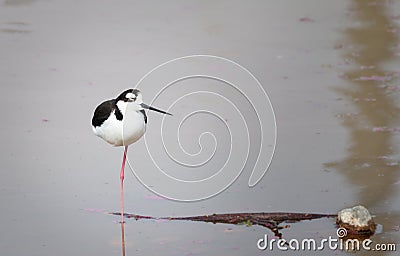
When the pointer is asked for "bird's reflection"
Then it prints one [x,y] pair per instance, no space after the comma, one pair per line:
[123,238]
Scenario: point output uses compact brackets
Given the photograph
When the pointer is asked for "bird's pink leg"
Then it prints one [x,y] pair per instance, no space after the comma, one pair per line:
[121,176]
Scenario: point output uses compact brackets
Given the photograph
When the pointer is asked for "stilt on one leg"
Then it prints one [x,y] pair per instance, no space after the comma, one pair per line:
[121,176]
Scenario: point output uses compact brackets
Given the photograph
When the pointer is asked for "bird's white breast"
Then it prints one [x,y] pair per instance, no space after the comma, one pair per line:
[122,132]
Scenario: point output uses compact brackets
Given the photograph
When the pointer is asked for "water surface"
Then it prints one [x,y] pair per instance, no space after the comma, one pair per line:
[330,70]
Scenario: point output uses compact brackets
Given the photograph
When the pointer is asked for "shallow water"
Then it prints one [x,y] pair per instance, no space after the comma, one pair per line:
[330,69]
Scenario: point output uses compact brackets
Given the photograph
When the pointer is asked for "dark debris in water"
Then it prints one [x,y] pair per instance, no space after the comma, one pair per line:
[306,19]
[271,221]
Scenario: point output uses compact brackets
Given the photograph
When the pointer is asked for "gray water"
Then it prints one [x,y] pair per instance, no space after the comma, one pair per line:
[330,69]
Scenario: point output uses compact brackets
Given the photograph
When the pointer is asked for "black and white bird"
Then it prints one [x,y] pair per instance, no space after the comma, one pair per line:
[121,122]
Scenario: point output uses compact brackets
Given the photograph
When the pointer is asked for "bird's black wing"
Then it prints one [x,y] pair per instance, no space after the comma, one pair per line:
[102,112]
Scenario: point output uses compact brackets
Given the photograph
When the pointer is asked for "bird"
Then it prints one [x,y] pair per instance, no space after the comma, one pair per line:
[121,122]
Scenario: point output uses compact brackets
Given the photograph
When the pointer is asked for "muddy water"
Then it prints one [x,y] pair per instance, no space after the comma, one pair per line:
[330,70]
[370,54]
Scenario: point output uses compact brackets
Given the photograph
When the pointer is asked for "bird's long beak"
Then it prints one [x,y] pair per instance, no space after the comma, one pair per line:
[154,109]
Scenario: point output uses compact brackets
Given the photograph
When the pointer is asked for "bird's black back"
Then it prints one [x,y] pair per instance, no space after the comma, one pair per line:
[103,111]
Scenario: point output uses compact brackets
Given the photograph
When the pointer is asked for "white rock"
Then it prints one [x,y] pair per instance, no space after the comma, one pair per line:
[358,216]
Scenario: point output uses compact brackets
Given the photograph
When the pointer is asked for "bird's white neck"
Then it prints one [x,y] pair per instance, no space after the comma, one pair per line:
[123,105]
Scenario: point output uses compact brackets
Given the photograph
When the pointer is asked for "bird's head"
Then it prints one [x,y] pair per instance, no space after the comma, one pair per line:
[135,96]
[131,95]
